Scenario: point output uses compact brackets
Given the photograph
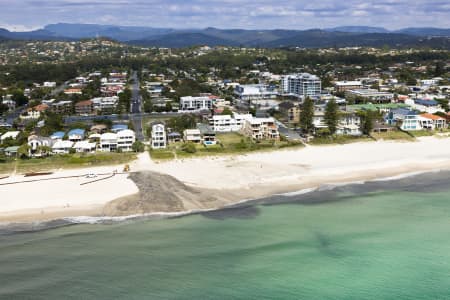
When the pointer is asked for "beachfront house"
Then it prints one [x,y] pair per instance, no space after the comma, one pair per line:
[158,136]
[433,122]
[39,145]
[108,142]
[411,122]
[125,140]
[85,147]
[76,135]
[228,123]
[192,135]
[261,128]
[62,147]
[208,135]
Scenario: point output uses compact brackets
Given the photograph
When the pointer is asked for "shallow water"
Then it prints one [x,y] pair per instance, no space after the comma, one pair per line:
[380,240]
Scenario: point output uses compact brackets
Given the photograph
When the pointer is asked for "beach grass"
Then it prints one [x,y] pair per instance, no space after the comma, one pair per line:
[392,135]
[421,133]
[339,139]
[227,143]
[78,160]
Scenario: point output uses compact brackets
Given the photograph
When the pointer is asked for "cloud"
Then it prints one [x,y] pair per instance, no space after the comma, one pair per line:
[289,14]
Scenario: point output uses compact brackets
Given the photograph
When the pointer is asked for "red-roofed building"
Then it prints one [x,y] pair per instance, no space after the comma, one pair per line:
[84,107]
[433,122]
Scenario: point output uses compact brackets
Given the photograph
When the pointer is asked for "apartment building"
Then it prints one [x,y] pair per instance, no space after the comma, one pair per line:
[301,85]
[159,137]
[189,103]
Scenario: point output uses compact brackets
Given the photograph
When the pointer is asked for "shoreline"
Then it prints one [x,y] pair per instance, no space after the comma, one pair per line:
[254,176]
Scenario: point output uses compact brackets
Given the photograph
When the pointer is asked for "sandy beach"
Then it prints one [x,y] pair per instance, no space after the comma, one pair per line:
[214,182]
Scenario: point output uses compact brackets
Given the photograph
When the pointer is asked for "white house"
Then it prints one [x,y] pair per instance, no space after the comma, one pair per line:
[50,84]
[411,123]
[108,142]
[35,142]
[433,122]
[159,137]
[85,147]
[125,140]
[9,135]
[227,123]
[62,147]
[428,106]
[190,103]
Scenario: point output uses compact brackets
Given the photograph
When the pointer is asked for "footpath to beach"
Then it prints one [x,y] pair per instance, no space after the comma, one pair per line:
[214,182]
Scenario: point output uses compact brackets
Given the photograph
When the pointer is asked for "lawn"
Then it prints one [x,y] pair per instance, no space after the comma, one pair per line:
[228,143]
[66,161]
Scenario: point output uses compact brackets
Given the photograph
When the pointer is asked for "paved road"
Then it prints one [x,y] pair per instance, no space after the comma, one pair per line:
[136,107]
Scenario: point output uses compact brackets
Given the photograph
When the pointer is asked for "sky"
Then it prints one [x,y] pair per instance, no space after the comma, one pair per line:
[25,15]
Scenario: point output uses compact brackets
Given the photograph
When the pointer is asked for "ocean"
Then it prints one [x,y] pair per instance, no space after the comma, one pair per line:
[377,240]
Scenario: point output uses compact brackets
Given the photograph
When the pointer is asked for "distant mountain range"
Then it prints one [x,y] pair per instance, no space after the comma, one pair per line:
[168,37]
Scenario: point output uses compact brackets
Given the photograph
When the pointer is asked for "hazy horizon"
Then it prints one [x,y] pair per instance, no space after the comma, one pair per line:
[226,14]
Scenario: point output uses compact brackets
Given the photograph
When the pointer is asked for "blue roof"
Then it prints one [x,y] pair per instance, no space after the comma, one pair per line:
[119,127]
[426,102]
[76,131]
[58,134]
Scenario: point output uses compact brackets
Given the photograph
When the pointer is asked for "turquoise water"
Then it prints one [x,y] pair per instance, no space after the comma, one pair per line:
[376,241]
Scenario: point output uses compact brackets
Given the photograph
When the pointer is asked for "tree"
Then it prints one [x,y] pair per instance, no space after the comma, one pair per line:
[23,151]
[307,115]
[331,116]
[366,121]
[138,146]
[227,111]
[19,98]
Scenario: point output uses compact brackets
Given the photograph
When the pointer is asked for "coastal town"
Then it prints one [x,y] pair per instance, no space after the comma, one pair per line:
[192,113]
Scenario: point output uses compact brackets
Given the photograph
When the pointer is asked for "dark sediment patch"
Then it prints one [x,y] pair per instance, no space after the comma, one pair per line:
[163,193]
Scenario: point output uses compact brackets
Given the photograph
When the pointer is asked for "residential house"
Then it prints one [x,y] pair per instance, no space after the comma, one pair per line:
[349,123]
[433,122]
[125,140]
[11,151]
[76,135]
[158,136]
[35,112]
[174,137]
[37,143]
[84,107]
[99,128]
[59,135]
[261,128]
[62,107]
[207,134]
[62,147]
[105,104]
[411,122]
[73,91]
[119,127]
[9,135]
[192,135]
[428,106]
[227,123]
[108,142]
[85,147]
